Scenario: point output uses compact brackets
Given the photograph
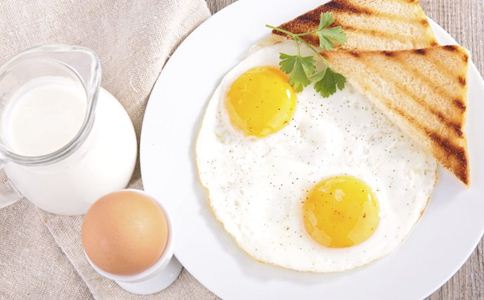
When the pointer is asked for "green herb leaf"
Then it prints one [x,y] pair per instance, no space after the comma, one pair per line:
[330,83]
[325,20]
[317,76]
[299,68]
[329,36]
[302,70]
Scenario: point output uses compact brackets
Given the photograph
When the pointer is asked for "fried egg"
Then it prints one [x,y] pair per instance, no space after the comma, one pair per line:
[305,182]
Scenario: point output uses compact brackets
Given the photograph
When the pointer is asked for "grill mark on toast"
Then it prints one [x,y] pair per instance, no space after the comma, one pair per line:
[344,6]
[420,101]
[459,104]
[314,40]
[452,156]
[381,34]
[420,51]
[434,135]
[451,48]
[456,126]
[424,22]
[436,88]
[310,20]
[450,149]
[390,53]
[458,130]
[442,68]
[354,54]
[462,80]
[455,48]
[458,152]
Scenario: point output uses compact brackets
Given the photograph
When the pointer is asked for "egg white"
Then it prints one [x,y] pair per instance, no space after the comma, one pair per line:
[256,186]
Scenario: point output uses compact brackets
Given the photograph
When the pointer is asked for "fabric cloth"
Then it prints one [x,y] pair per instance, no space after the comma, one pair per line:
[41,255]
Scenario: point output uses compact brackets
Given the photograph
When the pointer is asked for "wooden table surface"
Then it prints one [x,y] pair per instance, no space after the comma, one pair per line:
[464,20]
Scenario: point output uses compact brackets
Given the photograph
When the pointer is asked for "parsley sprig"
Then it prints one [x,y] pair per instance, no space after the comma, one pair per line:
[303,70]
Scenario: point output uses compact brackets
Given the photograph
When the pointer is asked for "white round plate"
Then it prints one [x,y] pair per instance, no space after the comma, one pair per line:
[439,245]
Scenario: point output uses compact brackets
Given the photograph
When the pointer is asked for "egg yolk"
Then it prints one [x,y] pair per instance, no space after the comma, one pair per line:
[340,212]
[261,101]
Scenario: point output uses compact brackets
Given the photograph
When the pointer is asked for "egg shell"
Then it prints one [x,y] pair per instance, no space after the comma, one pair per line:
[124,233]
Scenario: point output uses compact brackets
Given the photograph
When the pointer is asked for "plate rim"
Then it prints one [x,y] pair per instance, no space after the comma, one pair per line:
[439,31]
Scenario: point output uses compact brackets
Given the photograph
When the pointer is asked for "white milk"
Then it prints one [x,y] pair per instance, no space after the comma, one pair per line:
[44,116]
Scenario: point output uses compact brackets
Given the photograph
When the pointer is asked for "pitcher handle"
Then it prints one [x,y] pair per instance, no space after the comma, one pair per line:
[8,194]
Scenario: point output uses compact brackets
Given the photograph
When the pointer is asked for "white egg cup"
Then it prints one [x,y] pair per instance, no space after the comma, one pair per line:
[159,276]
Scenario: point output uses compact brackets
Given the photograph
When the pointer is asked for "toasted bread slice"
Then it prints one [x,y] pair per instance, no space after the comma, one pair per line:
[424,92]
[371,24]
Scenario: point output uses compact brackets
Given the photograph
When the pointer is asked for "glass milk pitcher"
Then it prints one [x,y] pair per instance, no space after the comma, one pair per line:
[64,141]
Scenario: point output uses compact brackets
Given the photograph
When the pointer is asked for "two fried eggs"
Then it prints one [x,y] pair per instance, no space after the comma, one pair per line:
[303,182]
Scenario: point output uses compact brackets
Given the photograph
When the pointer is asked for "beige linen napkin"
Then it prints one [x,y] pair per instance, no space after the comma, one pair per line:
[133,39]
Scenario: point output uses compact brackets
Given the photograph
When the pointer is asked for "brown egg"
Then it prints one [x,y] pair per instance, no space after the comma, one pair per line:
[124,233]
